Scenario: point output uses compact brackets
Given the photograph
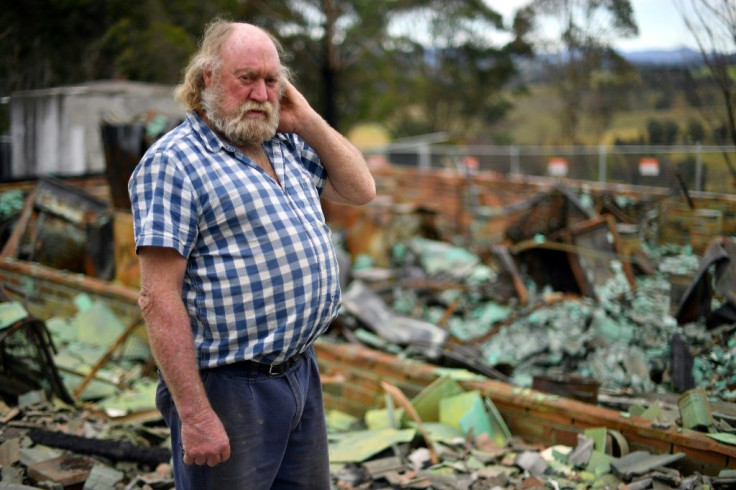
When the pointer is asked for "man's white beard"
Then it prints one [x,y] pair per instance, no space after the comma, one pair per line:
[234,125]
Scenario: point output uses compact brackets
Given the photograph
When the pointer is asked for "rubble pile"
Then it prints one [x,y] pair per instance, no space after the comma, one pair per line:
[565,305]
[52,445]
[69,419]
[626,339]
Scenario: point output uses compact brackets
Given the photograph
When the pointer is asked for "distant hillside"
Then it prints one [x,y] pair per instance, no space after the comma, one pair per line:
[536,70]
[678,56]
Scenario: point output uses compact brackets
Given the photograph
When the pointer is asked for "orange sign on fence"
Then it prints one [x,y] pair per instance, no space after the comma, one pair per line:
[557,167]
[648,166]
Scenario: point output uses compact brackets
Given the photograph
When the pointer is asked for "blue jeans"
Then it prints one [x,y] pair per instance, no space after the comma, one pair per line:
[276,425]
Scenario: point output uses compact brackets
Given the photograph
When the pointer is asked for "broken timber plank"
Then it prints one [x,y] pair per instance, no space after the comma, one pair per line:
[11,246]
[404,402]
[57,289]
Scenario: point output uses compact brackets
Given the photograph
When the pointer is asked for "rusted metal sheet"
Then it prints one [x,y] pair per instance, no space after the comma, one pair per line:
[46,287]
[65,228]
[718,270]
[127,269]
[549,214]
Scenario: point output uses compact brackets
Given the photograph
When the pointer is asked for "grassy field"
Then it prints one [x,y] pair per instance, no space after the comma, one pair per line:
[534,121]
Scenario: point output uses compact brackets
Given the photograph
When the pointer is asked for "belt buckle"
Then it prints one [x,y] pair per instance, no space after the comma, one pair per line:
[274,369]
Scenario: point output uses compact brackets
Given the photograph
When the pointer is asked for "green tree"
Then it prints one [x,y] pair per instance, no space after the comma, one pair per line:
[58,42]
[695,132]
[458,88]
[421,65]
[592,78]
[671,131]
[662,132]
[418,64]
[655,130]
[47,43]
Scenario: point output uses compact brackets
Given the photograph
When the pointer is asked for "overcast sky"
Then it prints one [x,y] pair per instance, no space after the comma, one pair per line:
[660,24]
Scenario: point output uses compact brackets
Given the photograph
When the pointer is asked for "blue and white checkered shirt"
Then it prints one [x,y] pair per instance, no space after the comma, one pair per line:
[262,277]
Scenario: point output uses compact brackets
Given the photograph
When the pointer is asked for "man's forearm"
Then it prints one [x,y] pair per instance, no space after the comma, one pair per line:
[348,179]
[346,167]
[172,346]
[203,437]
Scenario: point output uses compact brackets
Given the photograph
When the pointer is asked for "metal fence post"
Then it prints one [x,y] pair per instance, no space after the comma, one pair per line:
[425,156]
[514,153]
[602,163]
[698,167]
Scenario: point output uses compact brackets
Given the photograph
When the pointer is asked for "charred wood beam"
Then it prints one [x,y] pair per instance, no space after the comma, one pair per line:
[108,448]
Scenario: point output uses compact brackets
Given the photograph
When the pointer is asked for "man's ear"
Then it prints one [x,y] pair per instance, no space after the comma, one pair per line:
[207,77]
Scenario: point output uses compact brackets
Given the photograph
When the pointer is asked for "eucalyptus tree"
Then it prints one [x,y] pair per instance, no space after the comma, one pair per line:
[57,42]
[46,43]
[590,76]
[464,66]
[419,65]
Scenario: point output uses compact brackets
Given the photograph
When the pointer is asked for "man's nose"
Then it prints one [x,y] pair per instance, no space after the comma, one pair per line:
[259,91]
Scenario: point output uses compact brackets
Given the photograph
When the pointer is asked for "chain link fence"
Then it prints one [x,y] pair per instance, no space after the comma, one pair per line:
[697,167]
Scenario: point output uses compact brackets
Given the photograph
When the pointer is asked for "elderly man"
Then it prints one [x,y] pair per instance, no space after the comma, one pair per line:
[238,272]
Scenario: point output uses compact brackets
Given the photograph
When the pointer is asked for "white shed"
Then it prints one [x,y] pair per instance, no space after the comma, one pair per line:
[56,131]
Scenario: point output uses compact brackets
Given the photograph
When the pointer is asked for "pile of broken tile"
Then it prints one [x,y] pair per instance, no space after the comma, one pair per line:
[440,298]
[441,303]
[76,431]
[456,439]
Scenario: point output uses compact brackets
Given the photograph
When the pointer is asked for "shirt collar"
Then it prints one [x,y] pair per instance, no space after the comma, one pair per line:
[210,139]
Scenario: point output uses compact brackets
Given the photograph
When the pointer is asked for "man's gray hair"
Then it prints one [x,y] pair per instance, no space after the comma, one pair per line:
[209,58]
